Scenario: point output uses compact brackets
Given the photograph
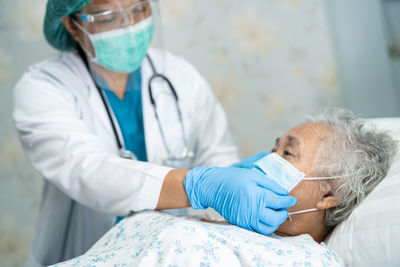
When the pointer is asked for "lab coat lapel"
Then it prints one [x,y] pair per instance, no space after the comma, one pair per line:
[95,102]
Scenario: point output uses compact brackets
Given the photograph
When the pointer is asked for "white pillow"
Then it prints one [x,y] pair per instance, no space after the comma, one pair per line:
[371,234]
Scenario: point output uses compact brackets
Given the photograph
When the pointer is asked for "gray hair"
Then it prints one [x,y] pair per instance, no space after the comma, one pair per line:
[359,154]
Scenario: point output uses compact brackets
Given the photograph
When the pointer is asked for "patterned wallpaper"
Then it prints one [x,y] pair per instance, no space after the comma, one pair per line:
[268,61]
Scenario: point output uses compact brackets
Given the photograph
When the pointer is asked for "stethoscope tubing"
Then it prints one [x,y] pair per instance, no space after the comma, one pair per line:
[123,152]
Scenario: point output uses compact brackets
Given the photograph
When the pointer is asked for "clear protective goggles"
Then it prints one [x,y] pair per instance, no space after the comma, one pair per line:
[97,18]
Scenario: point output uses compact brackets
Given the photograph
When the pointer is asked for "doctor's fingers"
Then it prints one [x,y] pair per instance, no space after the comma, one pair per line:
[273,218]
[264,229]
[265,182]
[248,163]
[275,201]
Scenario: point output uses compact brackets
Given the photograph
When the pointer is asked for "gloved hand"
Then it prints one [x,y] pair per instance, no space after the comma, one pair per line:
[248,162]
[244,197]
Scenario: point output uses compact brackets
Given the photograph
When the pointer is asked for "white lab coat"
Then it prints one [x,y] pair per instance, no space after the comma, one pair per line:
[66,133]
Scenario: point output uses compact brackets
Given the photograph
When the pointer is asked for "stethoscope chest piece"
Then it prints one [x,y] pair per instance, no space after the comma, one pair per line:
[126,154]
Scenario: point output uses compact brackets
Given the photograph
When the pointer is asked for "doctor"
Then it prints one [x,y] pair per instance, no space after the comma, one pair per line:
[114,128]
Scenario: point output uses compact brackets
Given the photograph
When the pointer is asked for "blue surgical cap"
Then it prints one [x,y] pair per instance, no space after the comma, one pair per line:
[53,29]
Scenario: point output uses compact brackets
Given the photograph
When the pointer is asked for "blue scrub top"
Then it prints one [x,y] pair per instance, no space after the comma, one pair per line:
[129,114]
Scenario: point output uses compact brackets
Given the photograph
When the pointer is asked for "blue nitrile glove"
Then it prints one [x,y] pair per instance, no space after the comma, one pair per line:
[248,162]
[244,197]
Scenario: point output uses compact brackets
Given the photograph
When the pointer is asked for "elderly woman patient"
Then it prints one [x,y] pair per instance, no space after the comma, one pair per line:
[350,159]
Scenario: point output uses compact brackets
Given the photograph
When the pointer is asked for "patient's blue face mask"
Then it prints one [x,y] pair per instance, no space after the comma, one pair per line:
[284,174]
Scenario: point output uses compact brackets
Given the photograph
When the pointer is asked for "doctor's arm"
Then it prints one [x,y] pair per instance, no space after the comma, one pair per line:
[173,193]
[84,165]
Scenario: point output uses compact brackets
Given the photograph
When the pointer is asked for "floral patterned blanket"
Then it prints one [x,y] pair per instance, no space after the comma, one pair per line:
[159,239]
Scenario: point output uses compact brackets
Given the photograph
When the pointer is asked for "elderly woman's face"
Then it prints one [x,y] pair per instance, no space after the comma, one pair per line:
[299,147]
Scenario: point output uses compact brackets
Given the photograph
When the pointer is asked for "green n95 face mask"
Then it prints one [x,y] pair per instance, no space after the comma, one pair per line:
[122,50]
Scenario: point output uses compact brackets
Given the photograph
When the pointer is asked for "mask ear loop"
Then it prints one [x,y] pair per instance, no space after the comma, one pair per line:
[312,179]
[290,217]
[324,178]
[299,212]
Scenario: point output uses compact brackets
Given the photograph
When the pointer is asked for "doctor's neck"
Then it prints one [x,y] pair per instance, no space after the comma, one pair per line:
[116,81]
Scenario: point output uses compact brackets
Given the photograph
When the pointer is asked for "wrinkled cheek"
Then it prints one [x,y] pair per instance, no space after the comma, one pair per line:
[307,193]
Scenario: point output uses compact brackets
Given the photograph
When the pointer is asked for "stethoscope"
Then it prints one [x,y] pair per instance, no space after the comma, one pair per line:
[186,152]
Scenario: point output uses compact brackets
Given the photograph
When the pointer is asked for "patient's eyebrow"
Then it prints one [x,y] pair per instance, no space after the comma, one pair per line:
[293,141]
[277,141]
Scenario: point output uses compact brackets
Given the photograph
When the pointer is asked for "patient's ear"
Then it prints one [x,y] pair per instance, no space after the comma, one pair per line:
[327,202]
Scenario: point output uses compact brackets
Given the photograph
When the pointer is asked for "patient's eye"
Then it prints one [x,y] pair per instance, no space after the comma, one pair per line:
[287,153]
